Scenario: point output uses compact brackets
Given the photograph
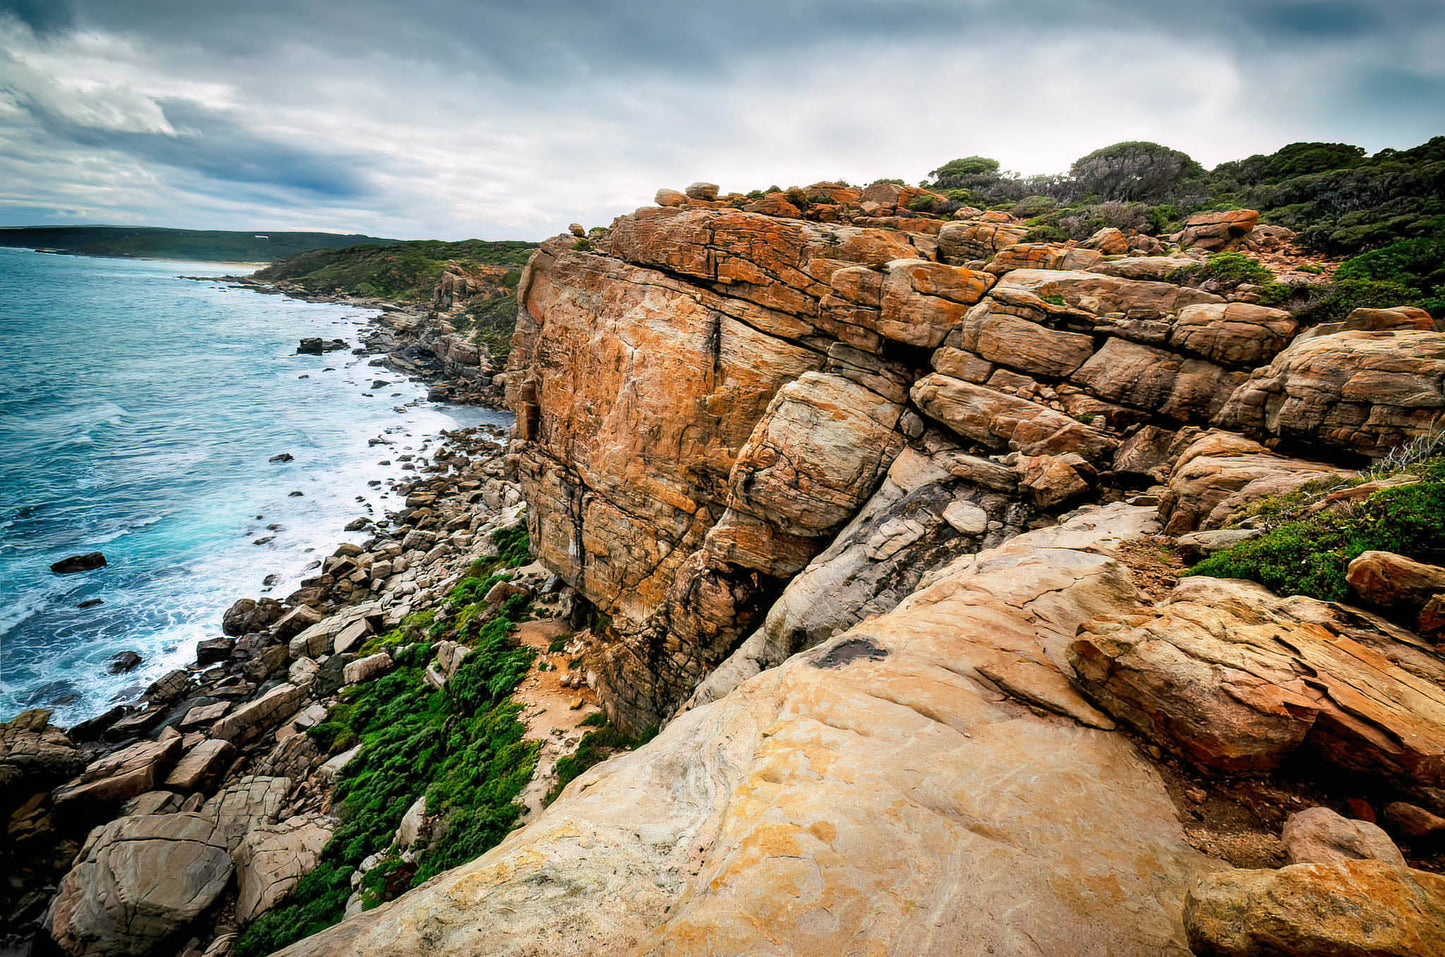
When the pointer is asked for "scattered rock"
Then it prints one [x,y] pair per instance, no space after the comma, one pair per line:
[1318,835]
[315,346]
[123,661]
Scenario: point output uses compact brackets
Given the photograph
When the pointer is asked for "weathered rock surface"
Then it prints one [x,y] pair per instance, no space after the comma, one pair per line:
[1232,678]
[1343,909]
[936,503]
[1003,422]
[887,792]
[254,717]
[271,858]
[124,774]
[35,751]
[138,880]
[1219,473]
[1353,391]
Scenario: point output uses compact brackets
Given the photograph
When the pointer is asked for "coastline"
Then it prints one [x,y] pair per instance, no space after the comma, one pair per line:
[410,339]
[212,722]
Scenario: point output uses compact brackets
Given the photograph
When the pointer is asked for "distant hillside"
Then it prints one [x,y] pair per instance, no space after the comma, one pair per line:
[400,271]
[205,245]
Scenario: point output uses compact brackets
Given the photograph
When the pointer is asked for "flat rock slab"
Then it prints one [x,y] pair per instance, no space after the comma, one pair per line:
[121,775]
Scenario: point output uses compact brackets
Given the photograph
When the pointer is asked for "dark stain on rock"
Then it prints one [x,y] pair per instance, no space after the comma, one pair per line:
[849,651]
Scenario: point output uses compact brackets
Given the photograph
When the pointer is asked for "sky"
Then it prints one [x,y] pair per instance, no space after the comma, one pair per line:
[467,118]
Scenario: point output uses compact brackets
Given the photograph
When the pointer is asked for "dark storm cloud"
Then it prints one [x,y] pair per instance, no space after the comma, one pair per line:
[448,115]
[216,147]
[42,16]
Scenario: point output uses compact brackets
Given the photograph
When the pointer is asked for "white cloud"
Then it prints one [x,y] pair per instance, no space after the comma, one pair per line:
[504,123]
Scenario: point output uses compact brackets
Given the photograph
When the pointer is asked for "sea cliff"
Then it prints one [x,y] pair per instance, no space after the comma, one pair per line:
[984,595]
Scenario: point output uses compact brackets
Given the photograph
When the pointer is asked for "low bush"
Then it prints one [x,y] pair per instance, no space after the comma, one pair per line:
[462,746]
[1302,554]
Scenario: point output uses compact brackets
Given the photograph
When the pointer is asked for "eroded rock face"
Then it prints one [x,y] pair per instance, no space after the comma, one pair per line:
[1234,679]
[1342,909]
[706,396]
[1354,391]
[888,792]
[138,880]
[936,503]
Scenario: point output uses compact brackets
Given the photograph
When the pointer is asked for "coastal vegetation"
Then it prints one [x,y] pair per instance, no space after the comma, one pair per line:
[460,746]
[403,271]
[1306,546]
[1340,200]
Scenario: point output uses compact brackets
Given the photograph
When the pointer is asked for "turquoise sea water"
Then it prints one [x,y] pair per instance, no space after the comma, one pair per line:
[138,412]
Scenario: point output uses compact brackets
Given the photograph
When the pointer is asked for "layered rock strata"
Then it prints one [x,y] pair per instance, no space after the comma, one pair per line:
[709,391]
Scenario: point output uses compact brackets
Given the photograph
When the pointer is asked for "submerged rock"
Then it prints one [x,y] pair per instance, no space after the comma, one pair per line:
[79,563]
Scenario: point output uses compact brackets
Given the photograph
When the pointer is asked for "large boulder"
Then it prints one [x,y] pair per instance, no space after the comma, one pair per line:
[271,858]
[1157,381]
[1218,230]
[247,615]
[1358,392]
[138,881]
[1340,909]
[1318,835]
[911,301]
[1100,294]
[245,803]
[1005,338]
[1218,474]
[1236,679]
[1394,581]
[254,718]
[1236,334]
[925,784]
[968,239]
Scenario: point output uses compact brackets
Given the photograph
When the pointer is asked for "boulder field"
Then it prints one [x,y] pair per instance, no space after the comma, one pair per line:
[867,505]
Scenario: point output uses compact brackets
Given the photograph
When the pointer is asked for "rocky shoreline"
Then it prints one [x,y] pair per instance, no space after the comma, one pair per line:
[211,773]
[415,339]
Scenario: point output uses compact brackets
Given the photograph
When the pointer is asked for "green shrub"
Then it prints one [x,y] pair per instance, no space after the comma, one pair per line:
[1225,271]
[596,746]
[1308,555]
[462,746]
[1416,266]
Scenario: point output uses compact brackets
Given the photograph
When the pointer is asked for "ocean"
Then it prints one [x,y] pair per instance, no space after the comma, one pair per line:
[139,411]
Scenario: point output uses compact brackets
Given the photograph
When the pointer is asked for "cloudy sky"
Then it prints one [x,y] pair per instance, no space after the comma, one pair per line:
[460,118]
